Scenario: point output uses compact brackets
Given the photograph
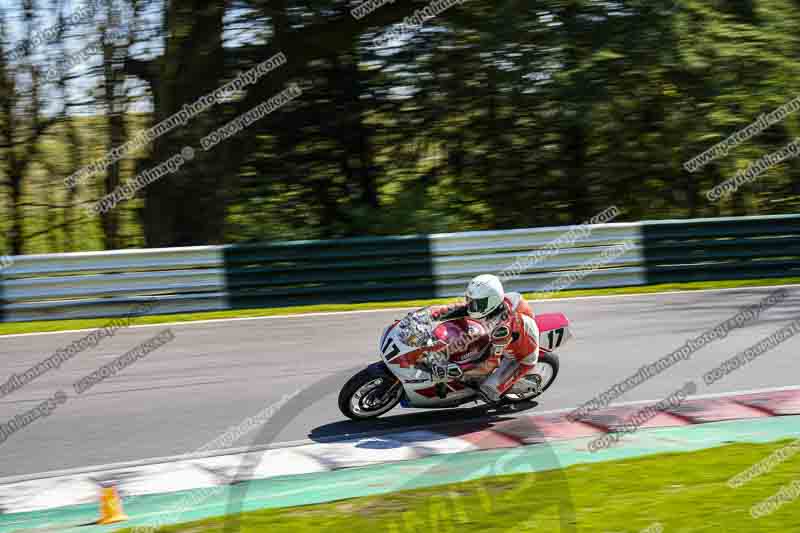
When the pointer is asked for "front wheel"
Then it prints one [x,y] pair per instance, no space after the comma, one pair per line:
[370,393]
[534,384]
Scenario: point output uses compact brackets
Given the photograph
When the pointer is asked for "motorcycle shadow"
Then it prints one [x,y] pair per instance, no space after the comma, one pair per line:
[424,423]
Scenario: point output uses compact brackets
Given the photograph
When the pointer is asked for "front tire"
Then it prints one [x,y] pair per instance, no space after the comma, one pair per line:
[370,393]
[539,382]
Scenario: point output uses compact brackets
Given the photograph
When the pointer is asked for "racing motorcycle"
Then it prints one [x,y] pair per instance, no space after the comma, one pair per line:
[424,366]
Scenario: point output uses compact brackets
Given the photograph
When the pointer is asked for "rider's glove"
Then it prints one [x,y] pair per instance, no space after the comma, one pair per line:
[442,373]
[439,373]
[441,311]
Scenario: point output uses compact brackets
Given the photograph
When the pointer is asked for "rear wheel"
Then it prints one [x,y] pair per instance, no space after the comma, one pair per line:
[370,393]
[534,384]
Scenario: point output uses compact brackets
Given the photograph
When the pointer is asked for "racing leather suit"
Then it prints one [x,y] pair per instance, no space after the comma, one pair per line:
[514,336]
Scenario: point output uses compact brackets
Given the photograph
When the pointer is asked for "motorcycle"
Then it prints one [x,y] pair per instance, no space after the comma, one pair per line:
[423,366]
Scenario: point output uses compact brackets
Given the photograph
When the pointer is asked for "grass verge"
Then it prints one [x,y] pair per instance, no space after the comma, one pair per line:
[64,325]
[681,492]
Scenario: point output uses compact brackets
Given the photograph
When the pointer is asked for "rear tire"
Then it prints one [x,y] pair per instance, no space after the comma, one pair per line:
[380,391]
[549,359]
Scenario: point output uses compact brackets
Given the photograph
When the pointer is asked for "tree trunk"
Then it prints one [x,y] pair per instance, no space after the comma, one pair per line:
[114,100]
[188,207]
[575,118]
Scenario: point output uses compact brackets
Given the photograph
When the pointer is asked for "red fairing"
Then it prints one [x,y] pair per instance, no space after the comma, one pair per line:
[410,359]
[549,321]
[430,392]
[465,338]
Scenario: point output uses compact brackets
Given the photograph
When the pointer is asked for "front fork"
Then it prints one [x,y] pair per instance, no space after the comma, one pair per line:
[390,381]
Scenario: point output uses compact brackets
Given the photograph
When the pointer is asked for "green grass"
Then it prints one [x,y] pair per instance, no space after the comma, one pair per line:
[684,492]
[63,325]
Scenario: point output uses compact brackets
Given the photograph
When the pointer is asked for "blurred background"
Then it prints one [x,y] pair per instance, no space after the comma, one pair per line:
[491,115]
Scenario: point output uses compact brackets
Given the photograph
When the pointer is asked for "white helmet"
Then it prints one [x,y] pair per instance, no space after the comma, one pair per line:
[484,295]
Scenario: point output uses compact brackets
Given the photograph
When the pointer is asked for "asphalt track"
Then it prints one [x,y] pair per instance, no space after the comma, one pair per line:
[214,375]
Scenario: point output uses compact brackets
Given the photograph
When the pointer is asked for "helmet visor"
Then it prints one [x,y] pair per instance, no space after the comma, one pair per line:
[477,305]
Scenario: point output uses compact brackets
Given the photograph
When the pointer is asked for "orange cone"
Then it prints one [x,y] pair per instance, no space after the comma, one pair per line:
[110,507]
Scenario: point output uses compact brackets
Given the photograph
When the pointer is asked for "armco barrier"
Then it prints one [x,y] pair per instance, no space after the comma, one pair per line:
[208,278]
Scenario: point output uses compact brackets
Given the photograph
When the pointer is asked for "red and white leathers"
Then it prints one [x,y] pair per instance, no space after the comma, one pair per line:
[514,336]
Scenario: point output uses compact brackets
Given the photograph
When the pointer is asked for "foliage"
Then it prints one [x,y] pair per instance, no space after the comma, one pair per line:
[516,114]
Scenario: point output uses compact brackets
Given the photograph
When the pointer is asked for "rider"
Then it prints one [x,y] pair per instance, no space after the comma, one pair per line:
[513,331]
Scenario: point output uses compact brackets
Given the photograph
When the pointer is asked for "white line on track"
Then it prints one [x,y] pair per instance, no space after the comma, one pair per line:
[396,310]
[343,438]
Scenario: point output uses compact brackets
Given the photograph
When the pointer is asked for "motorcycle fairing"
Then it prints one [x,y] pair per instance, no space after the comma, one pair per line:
[420,389]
